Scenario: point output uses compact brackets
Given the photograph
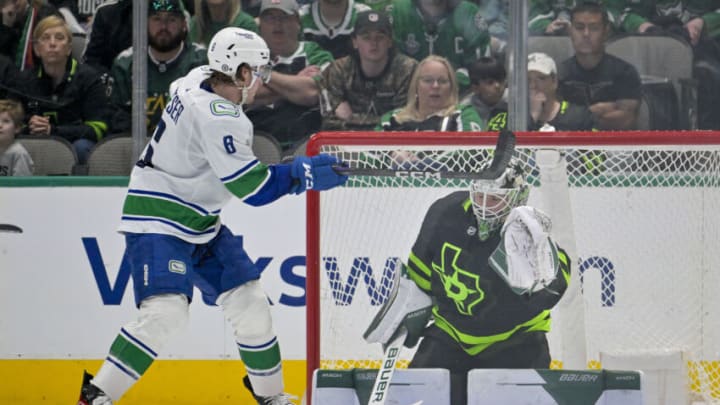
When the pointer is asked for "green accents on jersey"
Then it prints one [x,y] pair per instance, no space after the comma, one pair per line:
[130,355]
[564,264]
[159,77]
[461,286]
[470,120]
[249,182]
[473,345]
[419,272]
[467,205]
[461,37]
[224,107]
[167,210]
[592,161]
[100,128]
[267,358]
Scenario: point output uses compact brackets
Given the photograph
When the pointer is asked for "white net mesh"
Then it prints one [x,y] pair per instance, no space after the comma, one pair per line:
[645,225]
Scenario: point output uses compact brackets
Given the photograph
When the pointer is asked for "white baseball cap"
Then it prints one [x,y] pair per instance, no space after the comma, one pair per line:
[540,62]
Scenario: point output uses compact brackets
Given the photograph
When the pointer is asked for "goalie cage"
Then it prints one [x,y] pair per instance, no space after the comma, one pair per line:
[646,260]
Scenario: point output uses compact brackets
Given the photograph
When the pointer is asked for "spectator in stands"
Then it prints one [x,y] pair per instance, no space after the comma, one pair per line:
[455,30]
[330,24]
[696,21]
[691,18]
[64,97]
[19,19]
[488,82]
[432,102]
[82,11]
[213,15]
[549,17]
[607,85]
[110,34]
[14,158]
[496,13]
[9,74]
[358,89]
[287,105]
[547,112]
[170,56]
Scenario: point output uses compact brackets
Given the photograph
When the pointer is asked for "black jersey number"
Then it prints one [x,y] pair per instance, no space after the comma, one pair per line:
[146,161]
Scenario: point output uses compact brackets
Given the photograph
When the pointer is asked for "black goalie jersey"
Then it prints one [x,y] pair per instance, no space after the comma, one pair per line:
[473,305]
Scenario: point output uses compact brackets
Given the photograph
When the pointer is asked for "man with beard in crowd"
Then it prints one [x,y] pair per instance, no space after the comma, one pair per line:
[170,56]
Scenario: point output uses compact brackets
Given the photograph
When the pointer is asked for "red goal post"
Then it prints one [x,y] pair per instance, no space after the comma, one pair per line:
[646,265]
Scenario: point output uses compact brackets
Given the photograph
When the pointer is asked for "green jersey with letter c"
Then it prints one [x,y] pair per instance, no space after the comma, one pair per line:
[461,36]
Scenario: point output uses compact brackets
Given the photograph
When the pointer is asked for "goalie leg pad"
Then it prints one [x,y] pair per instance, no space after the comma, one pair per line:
[408,308]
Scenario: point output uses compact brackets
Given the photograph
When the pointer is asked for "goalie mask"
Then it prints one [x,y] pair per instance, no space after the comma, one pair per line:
[492,200]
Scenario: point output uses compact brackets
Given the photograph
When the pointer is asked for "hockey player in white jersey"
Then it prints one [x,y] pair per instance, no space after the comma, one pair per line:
[199,157]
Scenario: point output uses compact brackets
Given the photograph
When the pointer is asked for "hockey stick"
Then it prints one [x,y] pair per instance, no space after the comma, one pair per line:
[10,228]
[381,387]
[504,149]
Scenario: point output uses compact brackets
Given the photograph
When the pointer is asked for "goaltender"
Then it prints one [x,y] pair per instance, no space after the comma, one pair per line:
[485,266]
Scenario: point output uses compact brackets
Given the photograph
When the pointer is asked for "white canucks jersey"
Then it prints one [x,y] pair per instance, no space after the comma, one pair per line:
[199,156]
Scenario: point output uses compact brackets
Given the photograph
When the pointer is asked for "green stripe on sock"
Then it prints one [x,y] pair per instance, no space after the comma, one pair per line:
[130,355]
[261,360]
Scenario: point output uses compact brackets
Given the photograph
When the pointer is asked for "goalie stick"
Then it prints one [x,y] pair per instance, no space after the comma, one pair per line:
[504,149]
[10,228]
[381,387]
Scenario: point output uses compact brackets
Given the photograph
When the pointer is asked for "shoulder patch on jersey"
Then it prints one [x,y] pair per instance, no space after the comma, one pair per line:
[224,107]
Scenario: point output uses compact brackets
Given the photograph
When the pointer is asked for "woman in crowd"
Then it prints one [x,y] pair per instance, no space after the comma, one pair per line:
[64,97]
[432,102]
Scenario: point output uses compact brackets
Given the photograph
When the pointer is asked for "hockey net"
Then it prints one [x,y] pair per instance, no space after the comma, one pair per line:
[644,224]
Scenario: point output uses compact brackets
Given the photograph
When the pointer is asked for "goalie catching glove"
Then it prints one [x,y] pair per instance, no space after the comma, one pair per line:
[526,258]
[315,173]
[407,309]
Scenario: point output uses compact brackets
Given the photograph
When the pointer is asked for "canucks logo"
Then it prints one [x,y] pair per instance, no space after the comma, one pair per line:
[176,266]
[223,107]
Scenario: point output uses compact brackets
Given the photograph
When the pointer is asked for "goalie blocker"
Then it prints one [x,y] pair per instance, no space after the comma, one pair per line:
[407,310]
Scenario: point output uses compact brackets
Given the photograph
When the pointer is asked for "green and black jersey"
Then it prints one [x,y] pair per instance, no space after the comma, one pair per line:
[472,304]
[159,77]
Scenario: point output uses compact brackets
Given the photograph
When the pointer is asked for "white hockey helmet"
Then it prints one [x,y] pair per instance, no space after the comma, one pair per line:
[492,200]
[231,47]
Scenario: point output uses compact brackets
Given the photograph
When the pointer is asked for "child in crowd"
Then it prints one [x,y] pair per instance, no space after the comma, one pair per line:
[488,82]
[14,158]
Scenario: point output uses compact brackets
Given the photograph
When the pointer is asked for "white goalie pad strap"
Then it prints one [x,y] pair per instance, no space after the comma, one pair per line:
[526,258]
[408,304]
